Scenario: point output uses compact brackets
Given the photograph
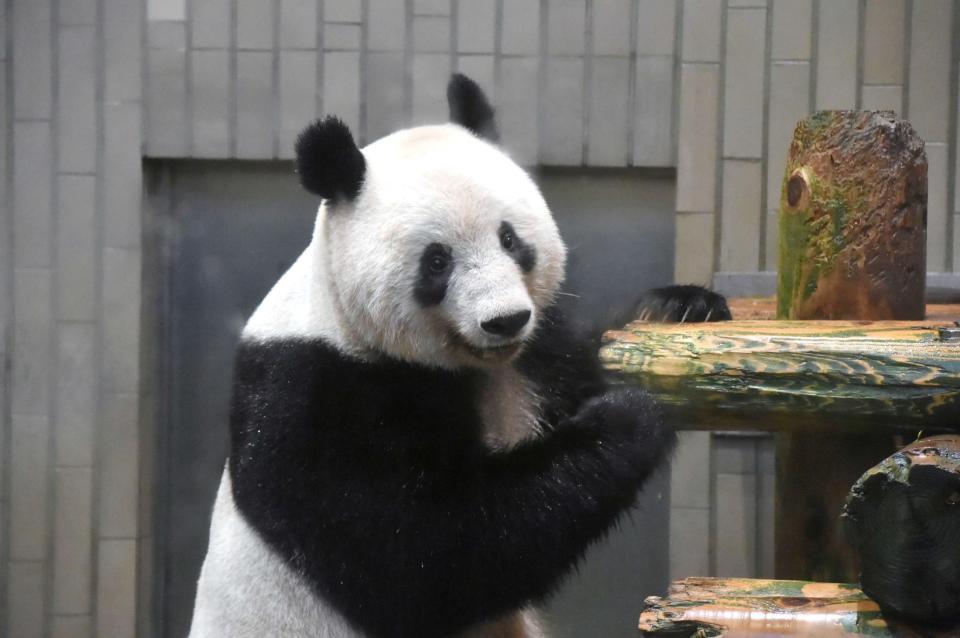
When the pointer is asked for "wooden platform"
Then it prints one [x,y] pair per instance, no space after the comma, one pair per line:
[795,375]
[748,608]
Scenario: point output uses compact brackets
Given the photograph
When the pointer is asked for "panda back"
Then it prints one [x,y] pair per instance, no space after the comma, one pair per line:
[299,305]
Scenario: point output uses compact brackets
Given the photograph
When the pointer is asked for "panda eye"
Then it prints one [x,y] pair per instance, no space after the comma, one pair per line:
[521,252]
[438,263]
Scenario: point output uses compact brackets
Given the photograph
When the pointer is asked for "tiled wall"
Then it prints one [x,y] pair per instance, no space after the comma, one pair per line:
[752,68]
[576,82]
[70,289]
[722,506]
[89,87]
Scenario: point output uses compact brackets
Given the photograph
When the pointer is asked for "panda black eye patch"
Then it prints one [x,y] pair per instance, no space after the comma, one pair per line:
[523,253]
[436,264]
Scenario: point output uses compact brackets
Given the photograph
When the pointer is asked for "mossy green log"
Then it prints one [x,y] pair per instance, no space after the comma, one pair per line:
[852,219]
[793,375]
[742,607]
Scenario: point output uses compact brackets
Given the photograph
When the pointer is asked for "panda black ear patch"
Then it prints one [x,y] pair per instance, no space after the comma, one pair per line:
[470,108]
[328,161]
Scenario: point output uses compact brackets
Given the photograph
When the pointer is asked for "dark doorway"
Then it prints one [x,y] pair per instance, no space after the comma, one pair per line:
[231,230]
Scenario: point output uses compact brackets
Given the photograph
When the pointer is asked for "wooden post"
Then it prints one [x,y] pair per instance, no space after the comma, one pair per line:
[813,477]
[852,246]
[853,219]
[903,519]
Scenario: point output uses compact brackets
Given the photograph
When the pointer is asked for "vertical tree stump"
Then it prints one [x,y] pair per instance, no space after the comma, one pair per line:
[852,246]
[853,219]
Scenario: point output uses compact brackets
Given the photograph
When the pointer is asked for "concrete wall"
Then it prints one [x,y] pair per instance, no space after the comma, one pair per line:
[751,68]
[70,277]
[91,86]
[722,490]
[577,82]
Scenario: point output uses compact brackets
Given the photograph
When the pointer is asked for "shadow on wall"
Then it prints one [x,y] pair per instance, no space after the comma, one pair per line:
[619,229]
[234,227]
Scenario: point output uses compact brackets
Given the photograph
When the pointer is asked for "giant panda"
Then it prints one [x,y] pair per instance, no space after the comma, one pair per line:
[419,446]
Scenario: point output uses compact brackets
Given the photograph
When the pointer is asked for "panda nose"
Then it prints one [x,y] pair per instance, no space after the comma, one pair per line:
[506,325]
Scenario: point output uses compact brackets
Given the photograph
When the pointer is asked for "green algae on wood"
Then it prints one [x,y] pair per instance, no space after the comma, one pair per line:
[713,607]
[853,202]
[701,607]
[792,375]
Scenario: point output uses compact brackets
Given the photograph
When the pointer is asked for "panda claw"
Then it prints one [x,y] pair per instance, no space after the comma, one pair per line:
[682,304]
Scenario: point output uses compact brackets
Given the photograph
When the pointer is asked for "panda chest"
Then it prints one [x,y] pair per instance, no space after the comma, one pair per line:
[509,409]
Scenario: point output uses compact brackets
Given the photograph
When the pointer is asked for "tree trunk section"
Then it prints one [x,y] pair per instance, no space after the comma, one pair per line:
[853,219]
[903,519]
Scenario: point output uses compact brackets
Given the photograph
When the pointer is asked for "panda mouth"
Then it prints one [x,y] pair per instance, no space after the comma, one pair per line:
[487,353]
[494,353]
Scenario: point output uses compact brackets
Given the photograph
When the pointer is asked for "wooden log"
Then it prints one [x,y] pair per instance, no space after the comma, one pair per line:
[853,219]
[793,376]
[735,608]
[903,519]
[852,246]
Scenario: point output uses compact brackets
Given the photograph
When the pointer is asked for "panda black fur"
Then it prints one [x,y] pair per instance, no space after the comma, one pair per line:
[419,445]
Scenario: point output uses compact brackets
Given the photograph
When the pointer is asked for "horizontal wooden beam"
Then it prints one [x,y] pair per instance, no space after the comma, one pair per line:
[748,607]
[794,375]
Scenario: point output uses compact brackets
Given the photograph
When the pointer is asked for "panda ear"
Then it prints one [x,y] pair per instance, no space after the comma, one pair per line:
[470,108]
[328,161]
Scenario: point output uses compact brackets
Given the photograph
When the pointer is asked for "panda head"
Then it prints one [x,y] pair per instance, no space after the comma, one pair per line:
[439,249]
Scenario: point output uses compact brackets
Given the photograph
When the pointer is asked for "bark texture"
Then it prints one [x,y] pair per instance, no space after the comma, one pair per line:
[794,376]
[903,519]
[853,211]
[743,607]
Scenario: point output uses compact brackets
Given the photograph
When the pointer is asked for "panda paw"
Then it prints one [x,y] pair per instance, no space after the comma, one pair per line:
[682,304]
[629,423]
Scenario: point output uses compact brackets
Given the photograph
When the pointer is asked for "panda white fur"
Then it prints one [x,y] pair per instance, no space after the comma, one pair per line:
[418,445]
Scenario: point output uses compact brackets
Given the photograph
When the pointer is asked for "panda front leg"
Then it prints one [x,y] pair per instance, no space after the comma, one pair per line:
[681,304]
[545,501]
[617,412]
[522,624]
[563,365]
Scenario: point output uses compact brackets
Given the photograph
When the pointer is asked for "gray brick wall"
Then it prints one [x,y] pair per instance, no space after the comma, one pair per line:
[90,87]
[238,78]
[778,60]
[722,506]
[620,83]
[72,122]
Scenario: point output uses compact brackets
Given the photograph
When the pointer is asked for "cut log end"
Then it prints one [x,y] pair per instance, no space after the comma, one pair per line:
[903,519]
